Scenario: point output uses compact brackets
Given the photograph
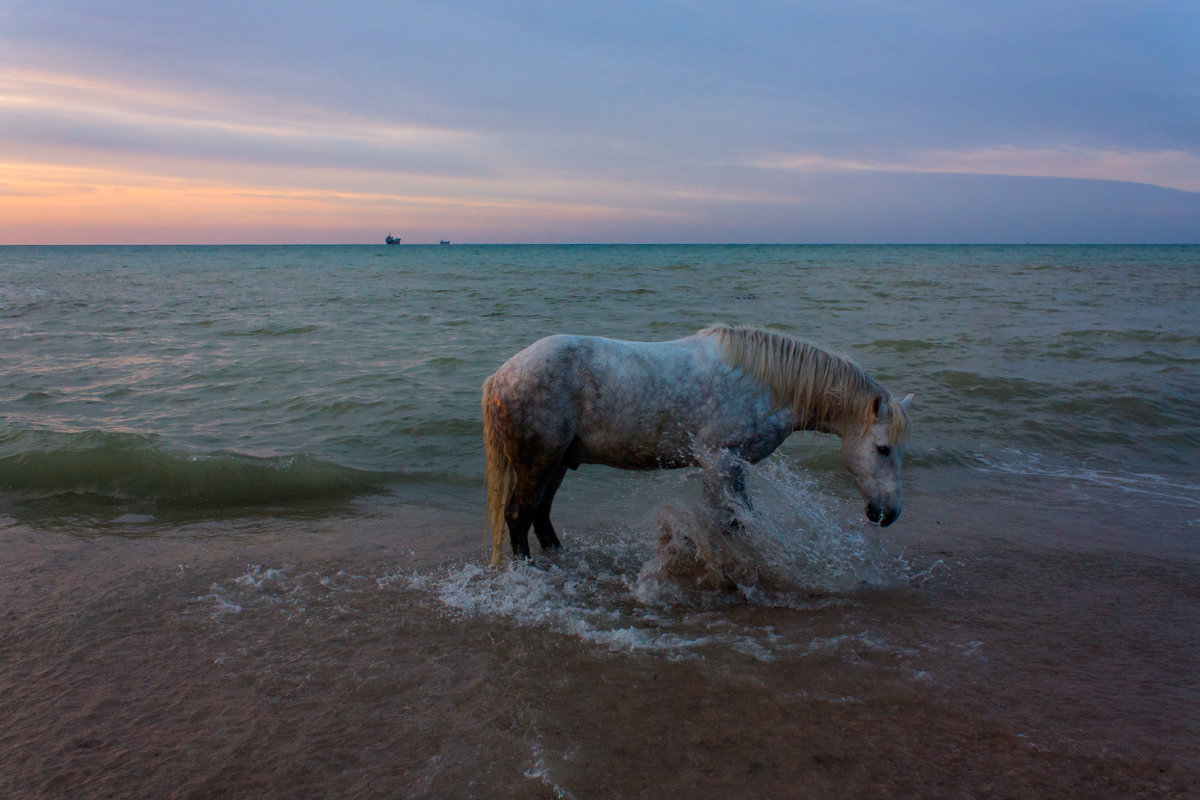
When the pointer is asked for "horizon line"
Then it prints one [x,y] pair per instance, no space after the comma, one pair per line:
[616,244]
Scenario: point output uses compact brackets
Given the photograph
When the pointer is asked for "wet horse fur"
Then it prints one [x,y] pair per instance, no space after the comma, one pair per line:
[737,392]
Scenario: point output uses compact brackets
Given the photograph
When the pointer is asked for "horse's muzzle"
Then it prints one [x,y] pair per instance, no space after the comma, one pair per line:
[878,514]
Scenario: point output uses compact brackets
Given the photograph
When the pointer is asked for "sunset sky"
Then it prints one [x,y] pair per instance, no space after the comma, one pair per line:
[143,121]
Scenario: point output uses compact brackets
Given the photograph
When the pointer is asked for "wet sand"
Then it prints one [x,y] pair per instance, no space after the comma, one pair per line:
[311,659]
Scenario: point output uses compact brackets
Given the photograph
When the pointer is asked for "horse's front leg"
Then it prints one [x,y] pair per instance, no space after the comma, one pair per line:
[735,481]
[726,490]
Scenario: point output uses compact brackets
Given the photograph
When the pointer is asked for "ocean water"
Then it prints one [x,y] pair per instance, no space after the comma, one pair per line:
[241,513]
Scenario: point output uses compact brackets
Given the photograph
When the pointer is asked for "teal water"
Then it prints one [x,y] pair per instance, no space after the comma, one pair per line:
[241,532]
[272,374]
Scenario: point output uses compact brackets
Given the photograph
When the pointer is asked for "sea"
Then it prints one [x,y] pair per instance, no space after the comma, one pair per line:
[242,540]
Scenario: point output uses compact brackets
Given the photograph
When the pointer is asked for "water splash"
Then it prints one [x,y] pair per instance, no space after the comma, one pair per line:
[789,542]
[667,585]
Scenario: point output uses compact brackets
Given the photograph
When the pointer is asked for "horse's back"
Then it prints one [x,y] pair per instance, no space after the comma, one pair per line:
[594,392]
[565,354]
[632,404]
[590,367]
[533,388]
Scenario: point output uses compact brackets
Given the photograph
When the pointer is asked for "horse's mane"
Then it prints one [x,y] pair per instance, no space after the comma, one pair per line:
[818,386]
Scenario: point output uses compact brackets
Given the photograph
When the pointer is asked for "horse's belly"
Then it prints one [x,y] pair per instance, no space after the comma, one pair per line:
[659,439]
[636,449]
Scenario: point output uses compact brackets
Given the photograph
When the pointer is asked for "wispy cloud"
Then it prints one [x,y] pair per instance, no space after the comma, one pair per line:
[90,116]
[136,155]
[1174,169]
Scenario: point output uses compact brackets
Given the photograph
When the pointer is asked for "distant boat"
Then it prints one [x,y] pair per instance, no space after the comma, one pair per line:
[392,239]
[444,241]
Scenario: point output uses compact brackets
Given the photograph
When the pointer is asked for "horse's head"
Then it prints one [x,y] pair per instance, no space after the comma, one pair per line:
[872,453]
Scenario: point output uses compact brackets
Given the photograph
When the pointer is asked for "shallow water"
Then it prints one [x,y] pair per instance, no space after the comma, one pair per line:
[241,516]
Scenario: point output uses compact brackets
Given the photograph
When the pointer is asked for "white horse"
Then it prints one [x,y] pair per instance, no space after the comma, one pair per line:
[738,391]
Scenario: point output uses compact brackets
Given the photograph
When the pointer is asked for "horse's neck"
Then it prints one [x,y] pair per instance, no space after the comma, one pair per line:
[834,427]
[779,363]
[832,418]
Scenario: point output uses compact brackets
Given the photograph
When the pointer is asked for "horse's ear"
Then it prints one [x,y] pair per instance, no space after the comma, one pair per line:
[880,408]
[906,402]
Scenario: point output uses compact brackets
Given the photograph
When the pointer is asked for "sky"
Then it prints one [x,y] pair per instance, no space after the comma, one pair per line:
[143,121]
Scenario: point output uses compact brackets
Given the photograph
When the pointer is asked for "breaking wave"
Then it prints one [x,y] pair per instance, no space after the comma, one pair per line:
[125,467]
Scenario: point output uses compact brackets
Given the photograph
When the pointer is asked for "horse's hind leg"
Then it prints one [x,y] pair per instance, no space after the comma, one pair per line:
[547,538]
[530,507]
[519,521]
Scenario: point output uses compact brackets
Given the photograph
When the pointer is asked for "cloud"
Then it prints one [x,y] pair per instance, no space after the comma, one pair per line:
[44,110]
[1175,169]
[114,135]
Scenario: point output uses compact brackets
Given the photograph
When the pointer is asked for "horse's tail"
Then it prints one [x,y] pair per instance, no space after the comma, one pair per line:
[501,477]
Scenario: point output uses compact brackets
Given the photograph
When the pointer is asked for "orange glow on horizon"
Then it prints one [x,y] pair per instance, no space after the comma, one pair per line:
[53,204]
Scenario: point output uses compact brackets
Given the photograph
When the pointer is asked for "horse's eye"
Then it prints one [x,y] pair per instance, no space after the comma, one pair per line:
[884,450]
